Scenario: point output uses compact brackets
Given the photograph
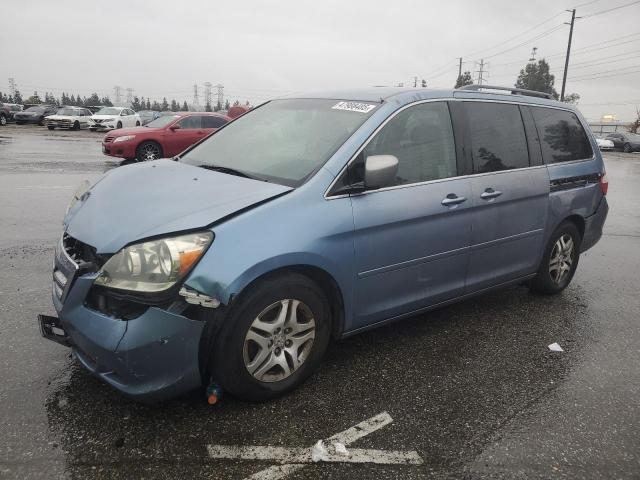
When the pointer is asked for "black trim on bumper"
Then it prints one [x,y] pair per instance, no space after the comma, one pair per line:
[50,326]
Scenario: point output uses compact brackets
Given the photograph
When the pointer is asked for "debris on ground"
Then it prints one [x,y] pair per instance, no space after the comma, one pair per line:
[555,347]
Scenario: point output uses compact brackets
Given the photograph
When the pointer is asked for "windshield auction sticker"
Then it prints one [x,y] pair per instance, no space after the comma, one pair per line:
[354,107]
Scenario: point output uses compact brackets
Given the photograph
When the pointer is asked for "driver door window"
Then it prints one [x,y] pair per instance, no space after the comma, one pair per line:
[192,121]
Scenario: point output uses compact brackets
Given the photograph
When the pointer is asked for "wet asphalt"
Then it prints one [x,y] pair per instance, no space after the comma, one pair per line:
[472,387]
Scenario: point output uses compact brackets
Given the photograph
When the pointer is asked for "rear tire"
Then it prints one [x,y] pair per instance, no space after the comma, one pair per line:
[119,125]
[627,148]
[148,151]
[559,261]
[137,124]
[41,121]
[286,352]
[76,125]
[3,120]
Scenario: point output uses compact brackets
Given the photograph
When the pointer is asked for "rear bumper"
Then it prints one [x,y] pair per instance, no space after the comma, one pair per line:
[593,226]
[150,358]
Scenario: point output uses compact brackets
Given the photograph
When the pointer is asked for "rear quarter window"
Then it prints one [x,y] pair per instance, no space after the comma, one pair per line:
[562,136]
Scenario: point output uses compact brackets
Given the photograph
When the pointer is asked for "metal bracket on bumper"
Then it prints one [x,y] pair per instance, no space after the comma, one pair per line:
[197,298]
[51,329]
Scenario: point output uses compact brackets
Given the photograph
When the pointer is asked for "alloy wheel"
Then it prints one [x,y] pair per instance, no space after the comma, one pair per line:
[561,258]
[279,340]
[150,152]
[3,120]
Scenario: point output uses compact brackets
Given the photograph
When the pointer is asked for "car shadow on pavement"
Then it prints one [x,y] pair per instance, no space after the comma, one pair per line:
[450,379]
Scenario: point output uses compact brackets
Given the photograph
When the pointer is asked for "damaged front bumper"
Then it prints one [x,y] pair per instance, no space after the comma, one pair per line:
[151,357]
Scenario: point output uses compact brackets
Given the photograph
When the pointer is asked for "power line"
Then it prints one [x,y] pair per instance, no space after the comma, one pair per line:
[587,75]
[528,41]
[611,9]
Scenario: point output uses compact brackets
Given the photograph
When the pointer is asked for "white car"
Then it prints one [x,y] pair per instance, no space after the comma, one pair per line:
[109,118]
[604,144]
[72,118]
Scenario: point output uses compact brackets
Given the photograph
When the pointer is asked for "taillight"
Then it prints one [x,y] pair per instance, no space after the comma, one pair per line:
[604,183]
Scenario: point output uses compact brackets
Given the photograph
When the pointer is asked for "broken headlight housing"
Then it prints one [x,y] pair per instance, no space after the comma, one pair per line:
[154,266]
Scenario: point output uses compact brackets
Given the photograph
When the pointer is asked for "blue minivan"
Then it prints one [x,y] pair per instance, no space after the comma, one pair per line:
[316,217]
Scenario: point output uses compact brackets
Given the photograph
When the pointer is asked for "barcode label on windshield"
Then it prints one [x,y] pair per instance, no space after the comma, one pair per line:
[354,107]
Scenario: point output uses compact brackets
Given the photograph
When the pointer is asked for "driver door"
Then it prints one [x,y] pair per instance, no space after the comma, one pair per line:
[190,132]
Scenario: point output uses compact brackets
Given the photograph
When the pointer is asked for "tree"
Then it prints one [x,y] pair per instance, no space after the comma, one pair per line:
[185,107]
[424,83]
[572,98]
[165,104]
[93,99]
[207,107]
[174,105]
[106,101]
[634,126]
[227,105]
[155,106]
[16,97]
[536,76]
[464,79]
[136,104]
[34,98]
[148,104]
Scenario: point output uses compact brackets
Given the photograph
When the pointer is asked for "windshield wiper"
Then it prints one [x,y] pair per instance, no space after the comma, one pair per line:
[230,171]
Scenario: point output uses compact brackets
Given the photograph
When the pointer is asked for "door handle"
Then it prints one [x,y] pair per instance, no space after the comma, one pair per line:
[490,193]
[453,199]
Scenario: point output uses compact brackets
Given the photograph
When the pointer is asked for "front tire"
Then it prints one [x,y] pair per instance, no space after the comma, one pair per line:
[137,124]
[119,125]
[50,128]
[76,125]
[560,260]
[272,339]
[627,148]
[41,121]
[3,120]
[148,151]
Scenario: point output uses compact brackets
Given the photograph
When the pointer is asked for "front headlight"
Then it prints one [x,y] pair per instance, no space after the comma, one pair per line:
[154,266]
[124,138]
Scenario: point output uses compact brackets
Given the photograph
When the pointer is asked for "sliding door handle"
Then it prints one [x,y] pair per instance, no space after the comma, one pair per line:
[490,193]
[453,199]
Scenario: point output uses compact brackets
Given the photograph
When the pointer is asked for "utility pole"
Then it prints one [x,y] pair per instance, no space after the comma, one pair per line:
[460,67]
[566,61]
[196,99]
[220,95]
[118,92]
[415,82]
[481,71]
[207,94]
[129,96]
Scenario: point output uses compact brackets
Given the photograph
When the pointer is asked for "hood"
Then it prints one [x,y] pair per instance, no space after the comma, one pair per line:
[60,117]
[133,131]
[162,197]
[102,117]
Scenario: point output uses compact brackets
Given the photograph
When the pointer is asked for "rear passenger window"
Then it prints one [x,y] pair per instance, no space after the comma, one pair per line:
[210,121]
[421,137]
[497,134]
[561,134]
[192,121]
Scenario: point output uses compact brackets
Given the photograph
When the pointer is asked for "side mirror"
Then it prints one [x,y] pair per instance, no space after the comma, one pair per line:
[175,126]
[380,171]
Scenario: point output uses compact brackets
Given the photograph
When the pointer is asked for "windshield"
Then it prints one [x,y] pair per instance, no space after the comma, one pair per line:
[162,121]
[284,140]
[67,111]
[108,111]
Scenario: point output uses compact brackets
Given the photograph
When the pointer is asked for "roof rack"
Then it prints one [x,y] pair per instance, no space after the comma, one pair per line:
[514,91]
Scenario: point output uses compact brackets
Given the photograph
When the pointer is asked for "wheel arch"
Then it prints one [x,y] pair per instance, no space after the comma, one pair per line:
[578,221]
[318,275]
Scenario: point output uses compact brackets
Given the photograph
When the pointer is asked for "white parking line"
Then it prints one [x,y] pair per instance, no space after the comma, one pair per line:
[303,455]
[294,459]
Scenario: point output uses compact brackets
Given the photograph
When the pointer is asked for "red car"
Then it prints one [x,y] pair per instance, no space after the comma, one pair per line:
[164,137]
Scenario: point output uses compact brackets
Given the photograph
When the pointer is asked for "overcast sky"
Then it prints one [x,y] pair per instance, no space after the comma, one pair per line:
[259,49]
